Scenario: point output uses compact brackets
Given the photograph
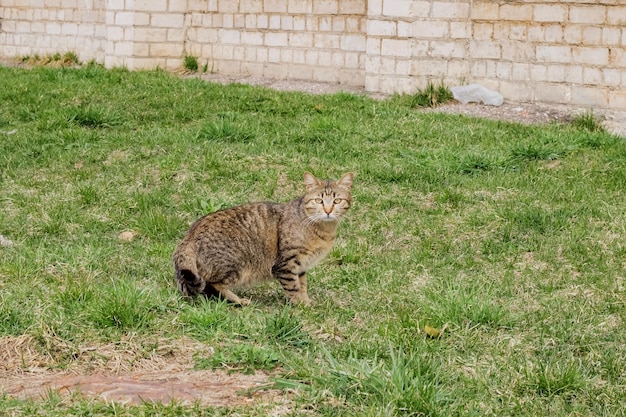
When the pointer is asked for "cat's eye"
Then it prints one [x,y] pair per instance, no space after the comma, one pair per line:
[337,201]
[319,200]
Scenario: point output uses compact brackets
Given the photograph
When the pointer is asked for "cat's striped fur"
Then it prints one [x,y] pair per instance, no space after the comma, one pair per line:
[247,244]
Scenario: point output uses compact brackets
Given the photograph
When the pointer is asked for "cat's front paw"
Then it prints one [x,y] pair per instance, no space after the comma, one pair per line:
[244,302]
[302,300]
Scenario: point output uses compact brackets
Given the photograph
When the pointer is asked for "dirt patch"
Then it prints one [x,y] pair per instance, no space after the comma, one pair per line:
[128,373]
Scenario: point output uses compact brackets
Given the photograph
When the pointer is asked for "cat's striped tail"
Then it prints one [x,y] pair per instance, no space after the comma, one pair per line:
[188,281]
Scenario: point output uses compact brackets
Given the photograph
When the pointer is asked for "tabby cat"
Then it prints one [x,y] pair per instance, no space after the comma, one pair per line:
[247,244]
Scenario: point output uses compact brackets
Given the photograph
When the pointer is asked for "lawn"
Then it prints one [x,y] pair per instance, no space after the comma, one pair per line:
[508,239]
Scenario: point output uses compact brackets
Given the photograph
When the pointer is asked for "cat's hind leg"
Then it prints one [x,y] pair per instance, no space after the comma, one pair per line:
[188,283]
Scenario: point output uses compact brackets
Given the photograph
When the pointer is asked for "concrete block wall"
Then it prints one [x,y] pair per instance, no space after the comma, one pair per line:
[571,52]
[566,52]
[44,27]
[319,40]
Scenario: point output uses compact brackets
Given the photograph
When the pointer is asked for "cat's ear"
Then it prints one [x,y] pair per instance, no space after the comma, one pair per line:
[310,181]
[346,181]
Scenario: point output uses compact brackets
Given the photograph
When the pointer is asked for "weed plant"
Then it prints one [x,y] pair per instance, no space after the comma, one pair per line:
[509,239]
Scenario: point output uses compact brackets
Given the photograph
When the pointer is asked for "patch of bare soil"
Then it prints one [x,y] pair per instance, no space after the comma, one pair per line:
[128,373]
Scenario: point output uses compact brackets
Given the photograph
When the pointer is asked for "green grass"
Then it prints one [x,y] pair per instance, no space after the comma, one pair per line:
[508,237]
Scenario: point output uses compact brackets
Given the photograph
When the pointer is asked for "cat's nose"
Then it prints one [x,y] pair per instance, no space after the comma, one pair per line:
[328,210]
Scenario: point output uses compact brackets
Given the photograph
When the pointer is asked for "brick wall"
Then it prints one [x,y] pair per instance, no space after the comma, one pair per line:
[568,52]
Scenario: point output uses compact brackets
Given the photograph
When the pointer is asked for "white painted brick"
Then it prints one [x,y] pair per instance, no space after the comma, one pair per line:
[591,56]
[404,29]
[595,14]
[522,12]
[53,28]
[276,39]
[115,33]
[375,7]
[617,99]
[166,49]
[251,6]
[124,18]
[239,21]
[149,34]
[458,70]
[141,19]
[516,91]
[421,48]
[324,57]
[592,76]
[325,23]
[167,20]
[299,6]
[124,48]
[397,8]
[373,46]
[326,41]
[460,30]
[403,67]
[431,29]
[262,21]
[554,53]
[483,31]
[149,5]
[574,74]
[611,36]
[447,10]
[337,59]
[273,55]
[592,35]
[485,11]
[186,5]
[573,34]
[311,57]
[396,47]
[228,20]
[141,49]
[250,22]
[330,7]
[299,57]
[274,21]
[590,97]
[448,49]
[517,51]
[357,7]
[252,38]
[485,49]
[356,24]
[520,71]
[503,70]
[616,16]
[353,42]
[303,40]
[227,7]
[116,4]
[553,33]
[286,22]
[612,77]
[299,23]
[432,67]
[229,36]
[338,24]
[381,28]
[549,12]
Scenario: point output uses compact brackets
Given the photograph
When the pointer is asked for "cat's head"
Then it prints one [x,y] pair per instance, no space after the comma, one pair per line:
[327,200]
